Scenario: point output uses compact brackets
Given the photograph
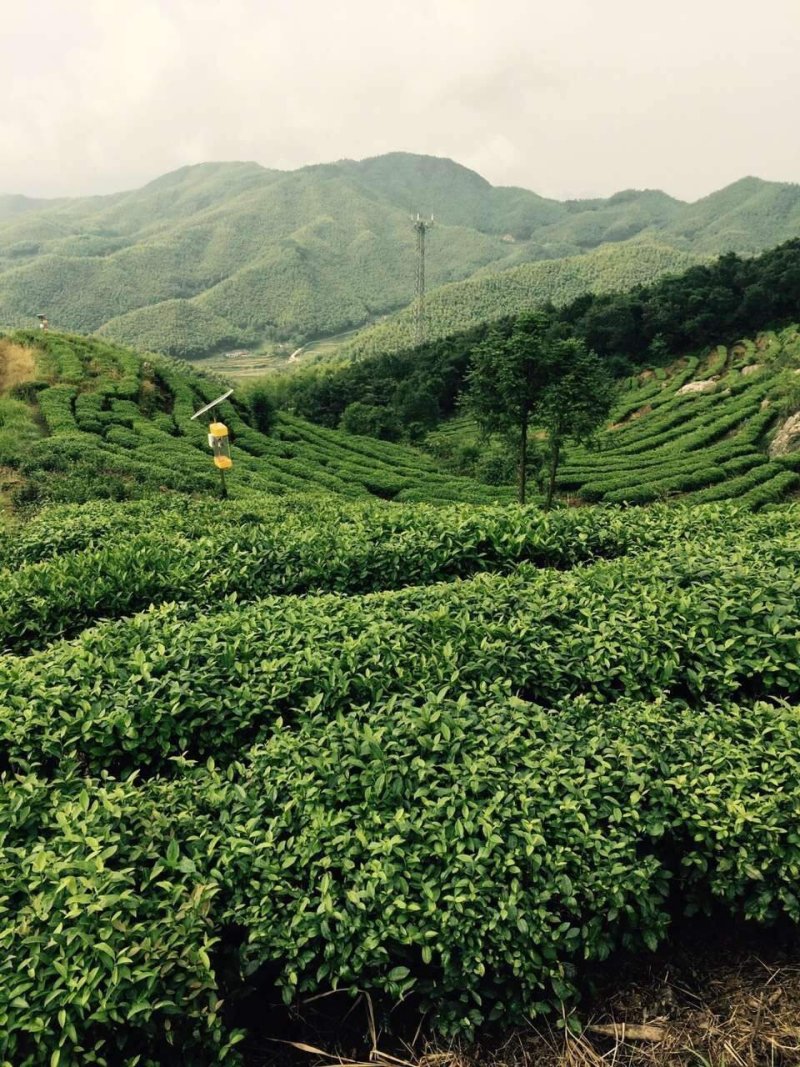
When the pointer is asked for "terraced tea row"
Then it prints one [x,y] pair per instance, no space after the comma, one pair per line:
[641,625]
[455,794]
[702,433]
[119,425]
[105,565]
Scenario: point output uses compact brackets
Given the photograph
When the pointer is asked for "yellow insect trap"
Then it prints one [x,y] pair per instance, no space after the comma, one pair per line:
[219,440]
[220,444]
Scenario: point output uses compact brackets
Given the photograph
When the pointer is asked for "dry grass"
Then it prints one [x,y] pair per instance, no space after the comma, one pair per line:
[702,1008]
[744,1013]
[17,364]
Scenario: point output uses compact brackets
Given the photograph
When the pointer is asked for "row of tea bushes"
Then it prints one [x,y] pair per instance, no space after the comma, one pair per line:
[693,620]
[453,793]
[469,855]
[196,556]
[663,444]
[120,427]
[294,546]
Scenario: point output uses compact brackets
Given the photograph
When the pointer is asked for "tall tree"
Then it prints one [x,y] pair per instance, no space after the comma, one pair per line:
[506,380]
[526,377]
[572,407]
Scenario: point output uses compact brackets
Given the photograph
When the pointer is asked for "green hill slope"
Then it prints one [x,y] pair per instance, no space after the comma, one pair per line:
[94,420]
[708,428]
[225,254]
[492,295]
[744,217]
[304,741]
[705,432]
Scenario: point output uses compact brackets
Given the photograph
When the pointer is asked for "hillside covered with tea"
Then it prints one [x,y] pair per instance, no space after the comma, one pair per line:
[366,727]
[89,420]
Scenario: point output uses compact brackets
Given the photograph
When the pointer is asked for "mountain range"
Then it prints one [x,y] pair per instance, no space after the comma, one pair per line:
[232,254]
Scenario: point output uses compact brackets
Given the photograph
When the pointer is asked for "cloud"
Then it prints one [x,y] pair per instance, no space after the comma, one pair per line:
[578,98]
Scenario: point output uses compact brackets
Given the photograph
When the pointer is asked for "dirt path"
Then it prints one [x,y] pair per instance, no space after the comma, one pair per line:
[17,364]
[9,480]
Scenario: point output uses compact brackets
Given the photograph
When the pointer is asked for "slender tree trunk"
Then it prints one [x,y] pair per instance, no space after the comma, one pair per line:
[523,461]
[555,451]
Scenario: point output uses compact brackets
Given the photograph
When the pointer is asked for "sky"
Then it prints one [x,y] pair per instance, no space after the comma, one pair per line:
[570,98]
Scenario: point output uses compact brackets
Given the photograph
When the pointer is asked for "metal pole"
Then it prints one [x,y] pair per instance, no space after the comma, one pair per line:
[421,227]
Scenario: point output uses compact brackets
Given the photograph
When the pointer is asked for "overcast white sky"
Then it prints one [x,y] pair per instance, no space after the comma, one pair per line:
[566,97]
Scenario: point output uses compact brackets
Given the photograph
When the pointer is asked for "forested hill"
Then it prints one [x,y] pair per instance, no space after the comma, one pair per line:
[230,254]
[492,294]
[406,392]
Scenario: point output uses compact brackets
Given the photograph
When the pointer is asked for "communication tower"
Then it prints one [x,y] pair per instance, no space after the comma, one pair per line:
[421,226]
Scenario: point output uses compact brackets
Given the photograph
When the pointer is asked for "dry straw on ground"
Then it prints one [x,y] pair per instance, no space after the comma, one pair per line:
[17,364]
[696,1011]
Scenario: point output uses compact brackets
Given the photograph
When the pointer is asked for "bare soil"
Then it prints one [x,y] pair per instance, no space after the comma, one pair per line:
[638,414]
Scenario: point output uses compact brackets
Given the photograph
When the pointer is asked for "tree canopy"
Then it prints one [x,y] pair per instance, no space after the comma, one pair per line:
[530,375]
[650,325]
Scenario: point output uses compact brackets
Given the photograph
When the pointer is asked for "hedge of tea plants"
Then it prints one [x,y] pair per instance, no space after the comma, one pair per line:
[338,651]
[444,755]
[71,566]
[665,444]
[109,423]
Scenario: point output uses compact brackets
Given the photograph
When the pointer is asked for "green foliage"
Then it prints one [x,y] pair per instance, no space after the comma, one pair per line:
[305,740]
[187,556]
[17,429]
[175,327]
[710,446]
[27,391]
[685,313]
[787,391]
[507,381]
[367,419]
[398,792]
[461,306]
[573,407]
[529,376]
[119,427]
[261,406]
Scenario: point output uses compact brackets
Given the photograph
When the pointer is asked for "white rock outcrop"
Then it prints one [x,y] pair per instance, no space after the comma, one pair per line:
[787,438]
[707,386]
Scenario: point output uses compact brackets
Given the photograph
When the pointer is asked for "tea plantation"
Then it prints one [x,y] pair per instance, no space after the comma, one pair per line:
[701,432]
[310,738]
[101,421]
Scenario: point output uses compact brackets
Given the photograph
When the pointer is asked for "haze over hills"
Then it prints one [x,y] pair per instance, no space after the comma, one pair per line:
[232,254]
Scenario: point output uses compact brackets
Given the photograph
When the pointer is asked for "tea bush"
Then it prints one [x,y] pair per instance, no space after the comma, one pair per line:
[191,560]
[471,855]
[125,422]
[632,625]
[304,545]
[701,447]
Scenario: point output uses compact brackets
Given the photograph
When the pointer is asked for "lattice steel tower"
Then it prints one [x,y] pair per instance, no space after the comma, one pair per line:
[421,227]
